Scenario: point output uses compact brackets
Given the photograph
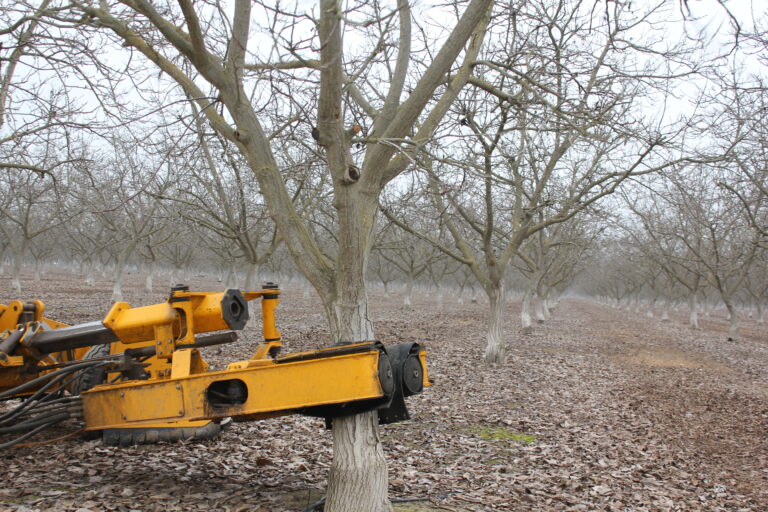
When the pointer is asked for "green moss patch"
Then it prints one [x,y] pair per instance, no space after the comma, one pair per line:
[496,434]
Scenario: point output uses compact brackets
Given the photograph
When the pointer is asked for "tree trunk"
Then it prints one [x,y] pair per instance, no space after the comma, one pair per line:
[733,318]
[117,286]
[408,296]
[544,299]
[172,281]
[150,277]
[358,480]
[230,279]
[18,258]
[525,313]
[760,312]
[38,270]
[542,315]
[549,305]
[252,276]
[90,274]
[693,308]
[495,346]
[122,261]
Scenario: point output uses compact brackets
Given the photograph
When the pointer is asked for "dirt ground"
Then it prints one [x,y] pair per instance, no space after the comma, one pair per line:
[597,409]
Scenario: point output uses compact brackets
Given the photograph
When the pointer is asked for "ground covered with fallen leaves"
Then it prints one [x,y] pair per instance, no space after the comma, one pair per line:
[597,409]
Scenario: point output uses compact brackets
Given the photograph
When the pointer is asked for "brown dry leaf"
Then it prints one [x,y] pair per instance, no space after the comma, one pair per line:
[596,410]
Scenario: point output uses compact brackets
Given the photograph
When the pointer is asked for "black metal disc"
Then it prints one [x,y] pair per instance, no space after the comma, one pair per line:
[386,376]
[413,376]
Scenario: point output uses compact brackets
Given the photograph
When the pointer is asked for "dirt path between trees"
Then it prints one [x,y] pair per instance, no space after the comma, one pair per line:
[598,409]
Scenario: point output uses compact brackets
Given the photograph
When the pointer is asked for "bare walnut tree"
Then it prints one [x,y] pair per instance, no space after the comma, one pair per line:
[554,119]
[334,70]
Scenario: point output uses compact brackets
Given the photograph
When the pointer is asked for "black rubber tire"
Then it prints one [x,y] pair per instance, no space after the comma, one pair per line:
[90,377]
[135,436]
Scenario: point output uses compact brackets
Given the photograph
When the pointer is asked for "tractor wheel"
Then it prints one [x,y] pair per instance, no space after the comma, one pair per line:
[90,377]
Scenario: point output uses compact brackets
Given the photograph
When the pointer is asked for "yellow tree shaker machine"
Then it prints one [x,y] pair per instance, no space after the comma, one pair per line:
[138,376]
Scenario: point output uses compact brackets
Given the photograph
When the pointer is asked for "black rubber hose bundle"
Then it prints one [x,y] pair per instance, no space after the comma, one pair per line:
[43,408]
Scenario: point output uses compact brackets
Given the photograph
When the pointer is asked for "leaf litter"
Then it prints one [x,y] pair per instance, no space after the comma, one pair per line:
[595,410]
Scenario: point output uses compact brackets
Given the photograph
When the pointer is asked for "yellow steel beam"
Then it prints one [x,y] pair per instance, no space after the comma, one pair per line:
[271,390]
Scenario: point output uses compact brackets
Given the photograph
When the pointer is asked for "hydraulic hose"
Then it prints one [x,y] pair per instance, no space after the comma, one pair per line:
[35,422]
[26,436]
[34,382]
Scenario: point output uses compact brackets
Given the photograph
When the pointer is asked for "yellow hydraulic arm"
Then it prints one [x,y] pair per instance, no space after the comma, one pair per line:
[156,384]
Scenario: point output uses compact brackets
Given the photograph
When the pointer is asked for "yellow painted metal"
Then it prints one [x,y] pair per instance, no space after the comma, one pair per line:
[133,325]
[268,306]
[273,389]
[272,337]
[164,341]
[423,358]
[163,325]
[178,390]
[165,321]
[12,372]
[12,367]
[180,318]
[205,309]
[9,315]
[151,402]
[182,363]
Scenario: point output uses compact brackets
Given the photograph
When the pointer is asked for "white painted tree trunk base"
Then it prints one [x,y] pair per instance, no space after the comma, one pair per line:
[117,287]
[408,295]
[495,347]
[358,475]
[525,315]
[693,313]
[494,351]
[252,277]
[733,328]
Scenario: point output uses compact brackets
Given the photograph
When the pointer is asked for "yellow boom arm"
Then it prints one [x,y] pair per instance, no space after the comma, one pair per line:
[153,377]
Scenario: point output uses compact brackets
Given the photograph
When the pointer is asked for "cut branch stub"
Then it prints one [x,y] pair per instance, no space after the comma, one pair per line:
[352,175]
